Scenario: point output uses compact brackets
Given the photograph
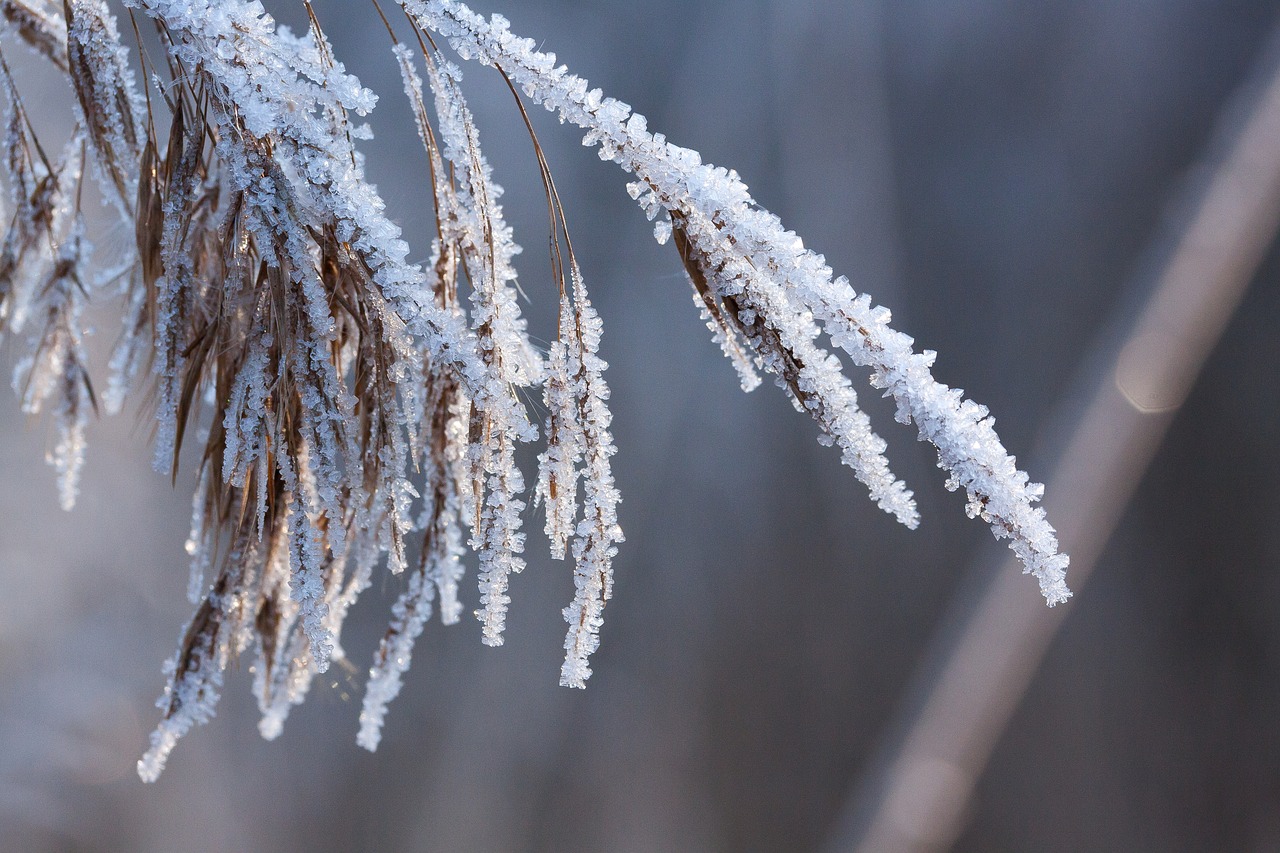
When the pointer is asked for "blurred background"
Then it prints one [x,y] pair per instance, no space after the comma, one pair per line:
[1010,179]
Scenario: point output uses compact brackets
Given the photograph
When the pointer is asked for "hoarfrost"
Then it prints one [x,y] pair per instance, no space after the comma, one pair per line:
[348,399]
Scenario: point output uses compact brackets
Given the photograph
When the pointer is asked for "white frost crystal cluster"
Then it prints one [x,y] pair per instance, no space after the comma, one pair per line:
[356,407]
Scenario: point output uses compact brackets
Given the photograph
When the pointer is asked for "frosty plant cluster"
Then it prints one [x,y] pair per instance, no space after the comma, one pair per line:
[347,400]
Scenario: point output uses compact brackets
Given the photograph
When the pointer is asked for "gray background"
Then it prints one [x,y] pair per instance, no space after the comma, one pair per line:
[992,171]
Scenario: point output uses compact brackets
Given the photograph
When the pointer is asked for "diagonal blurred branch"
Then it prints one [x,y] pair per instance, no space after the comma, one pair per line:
[914,796]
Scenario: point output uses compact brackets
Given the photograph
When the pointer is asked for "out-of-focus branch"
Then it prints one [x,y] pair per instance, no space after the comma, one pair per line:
[914,797]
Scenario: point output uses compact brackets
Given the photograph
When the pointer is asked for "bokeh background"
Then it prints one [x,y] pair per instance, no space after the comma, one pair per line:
[1002,176]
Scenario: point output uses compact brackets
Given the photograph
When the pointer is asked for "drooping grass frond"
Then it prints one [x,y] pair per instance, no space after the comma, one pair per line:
[438,570]
[558,474]
[733,234]
[44,283]
[55,375]
[341,405]
[110,107]
[473,223]
[597,534]
[782,340]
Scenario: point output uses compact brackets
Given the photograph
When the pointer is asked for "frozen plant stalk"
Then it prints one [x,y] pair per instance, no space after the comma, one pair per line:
[350,401]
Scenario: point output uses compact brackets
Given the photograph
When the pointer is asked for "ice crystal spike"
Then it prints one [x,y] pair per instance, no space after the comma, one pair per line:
[355,407]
